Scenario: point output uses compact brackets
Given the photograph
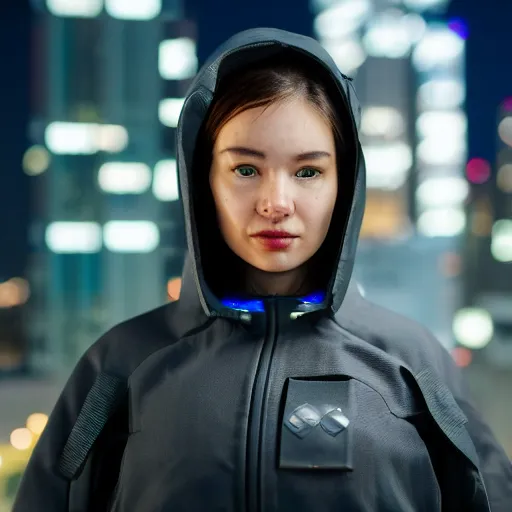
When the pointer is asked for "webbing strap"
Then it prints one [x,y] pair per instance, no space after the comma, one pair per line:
[447,413]
[98,407]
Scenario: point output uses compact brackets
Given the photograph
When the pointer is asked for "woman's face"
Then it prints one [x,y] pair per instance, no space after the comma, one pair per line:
[274,182]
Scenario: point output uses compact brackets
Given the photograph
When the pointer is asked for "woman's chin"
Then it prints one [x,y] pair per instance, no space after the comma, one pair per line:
[276,264]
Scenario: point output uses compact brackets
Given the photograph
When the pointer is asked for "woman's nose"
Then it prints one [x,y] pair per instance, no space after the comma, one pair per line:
[275,201]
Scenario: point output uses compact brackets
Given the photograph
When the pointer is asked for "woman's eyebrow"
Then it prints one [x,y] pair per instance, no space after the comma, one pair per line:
[244,151]
[312,155]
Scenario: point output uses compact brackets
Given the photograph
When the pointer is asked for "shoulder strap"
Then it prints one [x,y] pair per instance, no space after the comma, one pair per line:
[452,421]
[99,405]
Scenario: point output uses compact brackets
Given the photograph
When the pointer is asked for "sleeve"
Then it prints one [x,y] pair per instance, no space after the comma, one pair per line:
[46,481]
[495,466]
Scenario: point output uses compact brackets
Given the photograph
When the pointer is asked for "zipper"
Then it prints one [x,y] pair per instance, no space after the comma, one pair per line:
[257,412]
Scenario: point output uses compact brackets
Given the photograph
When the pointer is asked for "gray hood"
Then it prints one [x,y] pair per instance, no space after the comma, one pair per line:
[246,47]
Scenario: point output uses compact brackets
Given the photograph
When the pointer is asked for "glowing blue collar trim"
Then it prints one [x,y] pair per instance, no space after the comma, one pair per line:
[257,305]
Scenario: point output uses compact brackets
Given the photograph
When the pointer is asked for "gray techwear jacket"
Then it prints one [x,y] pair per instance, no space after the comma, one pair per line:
[199,406]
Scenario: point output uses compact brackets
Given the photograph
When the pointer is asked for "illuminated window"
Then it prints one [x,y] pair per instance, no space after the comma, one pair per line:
[342,19]
[348,54]
[387,166]
[165,181]
[423,5]
[386,122]
[169,111]
[385,215]
[85,138]
[124,177]
[443,222]
[75,8]
[442,191]
[501,245]
[131,236]
[437,151]
[73,237]
[177,59]
[440,94]
[439,47]
[389,36]
[133,9]
[442,124]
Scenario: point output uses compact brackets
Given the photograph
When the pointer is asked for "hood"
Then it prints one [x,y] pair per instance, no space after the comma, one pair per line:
[239,51]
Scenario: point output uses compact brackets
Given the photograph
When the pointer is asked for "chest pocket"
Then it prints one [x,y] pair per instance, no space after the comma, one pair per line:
[316,431]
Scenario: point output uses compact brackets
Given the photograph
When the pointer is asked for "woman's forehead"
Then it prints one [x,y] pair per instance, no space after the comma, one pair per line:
[293,123]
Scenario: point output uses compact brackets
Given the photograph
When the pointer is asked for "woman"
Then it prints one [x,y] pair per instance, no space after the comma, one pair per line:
[271,384]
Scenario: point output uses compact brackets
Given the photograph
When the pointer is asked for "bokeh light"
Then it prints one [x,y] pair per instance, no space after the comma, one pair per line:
[462,356]
[505,130]
[504,178]
[473,327]
[478,170]
[460,27]
[36,160]
[21,438]
[36,423]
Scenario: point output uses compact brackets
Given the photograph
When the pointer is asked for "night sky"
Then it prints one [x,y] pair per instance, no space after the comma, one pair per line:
[489,82]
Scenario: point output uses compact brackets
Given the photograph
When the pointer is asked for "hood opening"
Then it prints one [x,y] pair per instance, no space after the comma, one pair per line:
[221,269]
[211,269]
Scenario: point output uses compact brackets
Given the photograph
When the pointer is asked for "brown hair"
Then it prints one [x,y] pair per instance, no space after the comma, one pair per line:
[285,76]
[277,79]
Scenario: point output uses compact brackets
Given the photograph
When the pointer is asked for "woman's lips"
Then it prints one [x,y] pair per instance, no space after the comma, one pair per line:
[275,240]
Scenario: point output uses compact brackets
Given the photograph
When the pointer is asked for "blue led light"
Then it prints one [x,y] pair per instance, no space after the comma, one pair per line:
[313,298]
[249,305]
[257,305]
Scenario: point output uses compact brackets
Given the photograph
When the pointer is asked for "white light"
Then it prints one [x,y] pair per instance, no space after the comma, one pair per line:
[165,181]
[440,94]
[445,222]
[73,237]
[473,327]
[387,166]
[84,138]
[133,9]
[72,138]
[416,26]
[169,111]
[342,19]
[124,177]
[348,54]
[439,47]
[177,59]
[437,151]
[443,191]
[501,245]
[75,8]
[112,138]
[444,125]
[384,122]
[388,36]
[423,5]
[505,130]
[131,236]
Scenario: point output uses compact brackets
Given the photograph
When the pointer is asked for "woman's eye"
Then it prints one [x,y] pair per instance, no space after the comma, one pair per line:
[245,171]
[307,173]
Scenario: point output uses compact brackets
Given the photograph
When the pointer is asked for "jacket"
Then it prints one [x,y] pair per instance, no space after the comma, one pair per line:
[321,403]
